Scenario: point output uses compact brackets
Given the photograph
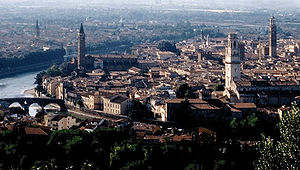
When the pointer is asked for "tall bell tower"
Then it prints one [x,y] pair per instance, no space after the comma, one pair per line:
[232,61]
[81,49]
[272,38]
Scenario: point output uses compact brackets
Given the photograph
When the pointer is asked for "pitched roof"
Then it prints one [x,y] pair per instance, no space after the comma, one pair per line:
[34,131]
[118,99]
[59,117]
[244,106]
[205,106]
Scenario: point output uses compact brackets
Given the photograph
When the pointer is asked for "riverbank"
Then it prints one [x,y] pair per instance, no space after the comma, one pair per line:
[30,92]
[27,69]
[15,86]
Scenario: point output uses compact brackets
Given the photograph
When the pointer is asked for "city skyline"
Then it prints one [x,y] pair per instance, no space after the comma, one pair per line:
[161,84]
[231,4]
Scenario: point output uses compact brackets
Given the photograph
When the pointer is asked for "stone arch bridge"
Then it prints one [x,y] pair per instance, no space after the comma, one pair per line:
[26,102]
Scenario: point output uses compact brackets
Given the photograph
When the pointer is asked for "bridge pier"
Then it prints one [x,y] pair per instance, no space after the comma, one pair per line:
[26,102]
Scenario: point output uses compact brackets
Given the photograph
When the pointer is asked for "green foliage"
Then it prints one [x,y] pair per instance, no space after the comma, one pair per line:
[185,91]
[126,154]
[139,111]
[53,71]
[107,148]
[32,58]
[282,153]
[168,46]
[66,68]
[183,114]
[248,122]
[234,123]
[106,75]
[39,78]
[219,87]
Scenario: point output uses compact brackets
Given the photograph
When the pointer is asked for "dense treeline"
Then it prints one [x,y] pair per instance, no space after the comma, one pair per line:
[107,148]
[32,58]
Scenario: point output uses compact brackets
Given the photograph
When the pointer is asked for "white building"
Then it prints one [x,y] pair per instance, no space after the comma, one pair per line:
[232,61]
[116,104]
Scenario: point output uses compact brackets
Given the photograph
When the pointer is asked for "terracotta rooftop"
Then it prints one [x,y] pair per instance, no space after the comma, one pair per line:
[34,131]
[244,105]
[262,83]
[205,106]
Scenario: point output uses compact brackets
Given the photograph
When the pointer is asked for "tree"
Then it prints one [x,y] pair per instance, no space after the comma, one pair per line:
[128,155]
[39,81]
[139,111]
[168,46]
[106,75]
[185,91]
[282,153]
[183,114]
[66,68]
[53,71]
[39,78]
[248,122]
[219,87]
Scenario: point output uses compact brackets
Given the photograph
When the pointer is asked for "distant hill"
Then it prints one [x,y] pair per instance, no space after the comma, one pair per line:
[212,4]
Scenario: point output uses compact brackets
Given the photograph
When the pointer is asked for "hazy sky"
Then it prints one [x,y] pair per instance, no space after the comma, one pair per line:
[271,4]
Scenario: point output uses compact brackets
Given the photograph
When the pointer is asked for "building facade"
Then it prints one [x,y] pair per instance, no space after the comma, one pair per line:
[116,104]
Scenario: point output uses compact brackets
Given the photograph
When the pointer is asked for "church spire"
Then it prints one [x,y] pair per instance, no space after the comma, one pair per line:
[37,30]
[37,24]
[81,29]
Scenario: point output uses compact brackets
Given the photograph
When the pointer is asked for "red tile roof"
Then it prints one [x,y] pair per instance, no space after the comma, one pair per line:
[34,131]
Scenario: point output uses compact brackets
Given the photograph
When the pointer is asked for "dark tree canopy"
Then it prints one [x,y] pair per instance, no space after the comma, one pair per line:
[183,115]
[168,46]
[53,71]
[106,75]
[32,58]
[139,111]
[219,87]
[282,153]
[185,91]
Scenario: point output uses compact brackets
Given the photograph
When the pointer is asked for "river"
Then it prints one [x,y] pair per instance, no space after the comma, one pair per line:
[15,86]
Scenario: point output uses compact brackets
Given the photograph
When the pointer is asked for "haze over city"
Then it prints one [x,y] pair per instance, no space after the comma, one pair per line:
[162,4]
[150,84]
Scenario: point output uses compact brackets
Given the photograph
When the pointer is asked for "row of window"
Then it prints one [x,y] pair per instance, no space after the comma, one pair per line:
[112,111]
[112,105]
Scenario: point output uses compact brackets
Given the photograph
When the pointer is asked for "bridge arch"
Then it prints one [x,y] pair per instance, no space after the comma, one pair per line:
[34,108]
[17,108]
[15,105]
[52,107]
[26,102]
